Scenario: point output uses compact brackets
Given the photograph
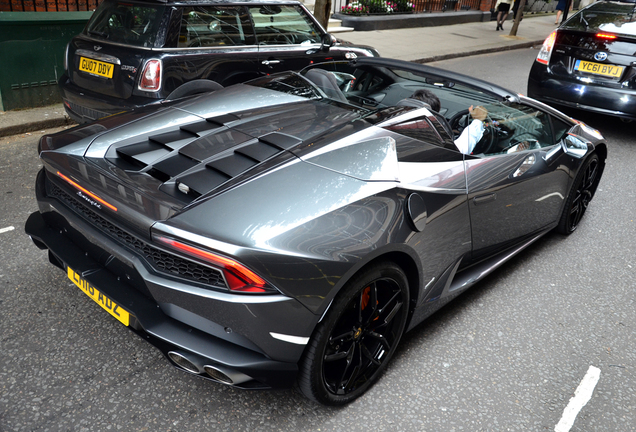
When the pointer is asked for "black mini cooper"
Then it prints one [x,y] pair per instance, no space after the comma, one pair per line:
[136,53]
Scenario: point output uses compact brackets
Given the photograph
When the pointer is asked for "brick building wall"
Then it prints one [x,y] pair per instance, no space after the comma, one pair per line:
[47,5]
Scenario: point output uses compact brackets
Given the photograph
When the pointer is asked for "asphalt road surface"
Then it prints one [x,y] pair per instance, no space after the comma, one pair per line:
[507,356]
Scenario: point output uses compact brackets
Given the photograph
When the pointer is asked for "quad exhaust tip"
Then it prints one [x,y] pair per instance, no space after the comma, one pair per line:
[219,374]
[183,362]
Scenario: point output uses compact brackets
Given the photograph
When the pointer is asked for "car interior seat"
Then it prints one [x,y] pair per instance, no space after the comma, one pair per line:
[327,83]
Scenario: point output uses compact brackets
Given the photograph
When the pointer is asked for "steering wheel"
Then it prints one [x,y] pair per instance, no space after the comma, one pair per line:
[462,120]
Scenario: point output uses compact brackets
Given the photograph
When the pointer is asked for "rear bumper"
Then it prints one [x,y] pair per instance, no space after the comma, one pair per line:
[617,102]
[162,316]
[84,106]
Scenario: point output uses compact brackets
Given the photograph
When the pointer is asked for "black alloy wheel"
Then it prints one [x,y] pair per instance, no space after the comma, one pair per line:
[353,344]
[580,196]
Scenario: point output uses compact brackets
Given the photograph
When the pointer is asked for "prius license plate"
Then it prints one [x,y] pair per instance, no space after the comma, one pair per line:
[110,306]
[96,67]
[599,69]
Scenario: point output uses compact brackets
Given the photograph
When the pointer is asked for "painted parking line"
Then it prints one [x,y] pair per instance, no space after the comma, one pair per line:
[7,229]
[581,397]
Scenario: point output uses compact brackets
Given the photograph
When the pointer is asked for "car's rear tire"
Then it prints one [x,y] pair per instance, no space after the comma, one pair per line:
[359,334]
[580,195]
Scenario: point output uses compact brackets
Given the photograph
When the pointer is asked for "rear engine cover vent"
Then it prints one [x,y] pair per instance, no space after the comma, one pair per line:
[198,157]
[137,156]
[219,171]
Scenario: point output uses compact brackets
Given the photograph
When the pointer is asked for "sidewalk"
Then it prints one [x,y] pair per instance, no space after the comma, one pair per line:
[427,44]
[421,45]
[33,119]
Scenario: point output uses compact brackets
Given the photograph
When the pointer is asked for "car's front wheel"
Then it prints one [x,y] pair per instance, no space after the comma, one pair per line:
[580,195]
[355,340]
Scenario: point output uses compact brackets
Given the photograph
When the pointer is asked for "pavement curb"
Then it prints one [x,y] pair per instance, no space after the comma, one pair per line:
[35,126]
[441,57]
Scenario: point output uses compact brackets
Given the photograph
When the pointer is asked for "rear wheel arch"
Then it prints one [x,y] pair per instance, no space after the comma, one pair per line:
[402,259]
[410,269]
[350,348]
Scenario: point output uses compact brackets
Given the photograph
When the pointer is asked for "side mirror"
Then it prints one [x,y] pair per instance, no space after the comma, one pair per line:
[326,42]
[575,145]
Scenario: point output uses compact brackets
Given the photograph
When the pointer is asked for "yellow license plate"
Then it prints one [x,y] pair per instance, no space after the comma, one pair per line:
[599,69]
[110,306]
[96,67]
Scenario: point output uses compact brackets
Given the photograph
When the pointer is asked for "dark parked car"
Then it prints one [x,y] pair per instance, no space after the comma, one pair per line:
[293,227]
[135,53]
[589,62]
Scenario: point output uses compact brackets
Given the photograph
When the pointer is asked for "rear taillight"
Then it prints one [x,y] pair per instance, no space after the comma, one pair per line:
[238,277]
[65,62]
[546,49]
[86,194]
[151,76]
[605,36]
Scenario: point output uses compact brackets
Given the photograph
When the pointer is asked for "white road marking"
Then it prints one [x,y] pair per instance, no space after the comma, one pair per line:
[550,195]
[581,397]
[7,229]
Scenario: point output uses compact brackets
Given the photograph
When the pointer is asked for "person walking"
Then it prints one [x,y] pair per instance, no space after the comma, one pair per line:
[560,8]
[502,12]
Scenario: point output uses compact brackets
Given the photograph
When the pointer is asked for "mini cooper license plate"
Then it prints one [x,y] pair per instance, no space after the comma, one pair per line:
[599,69]
[96,67]
[110,306]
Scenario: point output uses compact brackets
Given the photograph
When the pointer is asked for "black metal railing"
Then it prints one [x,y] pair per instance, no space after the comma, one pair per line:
[47,5]
[538,6]
[385,7]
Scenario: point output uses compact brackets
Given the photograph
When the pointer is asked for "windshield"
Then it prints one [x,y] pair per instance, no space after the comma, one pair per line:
[129,23]
[611,17]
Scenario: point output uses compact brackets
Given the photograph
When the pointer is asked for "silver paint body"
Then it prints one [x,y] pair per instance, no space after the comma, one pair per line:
[311,217]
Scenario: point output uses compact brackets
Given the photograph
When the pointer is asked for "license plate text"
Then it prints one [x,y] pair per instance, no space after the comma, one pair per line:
[599,69]
[110,306]
[96,67]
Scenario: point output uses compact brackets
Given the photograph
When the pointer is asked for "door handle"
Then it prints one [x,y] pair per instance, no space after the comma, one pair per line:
[485,198]
[270,62]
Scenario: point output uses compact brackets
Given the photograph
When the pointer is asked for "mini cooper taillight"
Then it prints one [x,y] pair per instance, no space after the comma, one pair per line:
[151,76]
[546,49]
[238,277]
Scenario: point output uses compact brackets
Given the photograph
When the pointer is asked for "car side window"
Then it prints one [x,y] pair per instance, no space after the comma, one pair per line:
[283,25]
[215,26]
[126,23]
[560,129]
[422,134]
[515,127]
[419,128]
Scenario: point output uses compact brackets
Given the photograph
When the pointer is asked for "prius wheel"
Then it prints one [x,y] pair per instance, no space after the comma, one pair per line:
[353,344]
[580,196]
